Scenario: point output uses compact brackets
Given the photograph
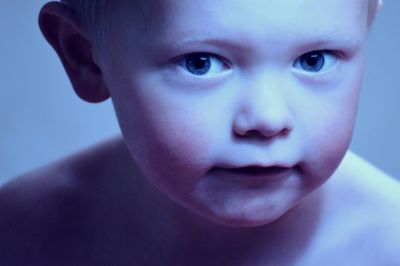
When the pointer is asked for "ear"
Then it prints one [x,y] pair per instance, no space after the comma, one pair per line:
[74,49]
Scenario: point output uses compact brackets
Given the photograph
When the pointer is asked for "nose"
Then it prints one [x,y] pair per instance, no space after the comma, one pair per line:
[263,112]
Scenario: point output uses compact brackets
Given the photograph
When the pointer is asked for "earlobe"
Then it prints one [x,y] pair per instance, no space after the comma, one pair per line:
[74,49]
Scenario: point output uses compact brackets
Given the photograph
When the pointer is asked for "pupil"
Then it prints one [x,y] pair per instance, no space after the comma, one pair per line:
[198,64]
[312,61]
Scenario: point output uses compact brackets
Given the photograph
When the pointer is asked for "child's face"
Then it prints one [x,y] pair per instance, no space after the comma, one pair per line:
[203,86]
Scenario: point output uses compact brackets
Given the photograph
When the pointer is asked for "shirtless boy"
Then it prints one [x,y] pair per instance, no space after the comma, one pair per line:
[236,118]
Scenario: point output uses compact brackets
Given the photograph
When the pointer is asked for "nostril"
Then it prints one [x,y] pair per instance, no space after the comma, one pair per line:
[285,132]
[263,134]
[263,124]
[254,134]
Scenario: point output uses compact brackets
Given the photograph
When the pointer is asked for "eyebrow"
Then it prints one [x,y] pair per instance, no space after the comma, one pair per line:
[243,45]
[218,42]
[328,38]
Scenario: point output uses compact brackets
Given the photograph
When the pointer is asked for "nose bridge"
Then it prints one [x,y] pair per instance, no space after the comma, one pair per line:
[265,91]
[264,107]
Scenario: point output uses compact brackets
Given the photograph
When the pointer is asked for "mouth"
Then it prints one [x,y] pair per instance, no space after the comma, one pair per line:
[258,171]
[253,172]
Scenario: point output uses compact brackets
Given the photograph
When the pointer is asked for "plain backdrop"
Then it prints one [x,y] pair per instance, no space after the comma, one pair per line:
[42,120]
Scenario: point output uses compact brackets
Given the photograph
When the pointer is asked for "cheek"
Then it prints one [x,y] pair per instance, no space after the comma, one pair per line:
[172,148]
[172,135]
[330,131]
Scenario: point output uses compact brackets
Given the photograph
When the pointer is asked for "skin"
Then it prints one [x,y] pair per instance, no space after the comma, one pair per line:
[155,191]
[258,110]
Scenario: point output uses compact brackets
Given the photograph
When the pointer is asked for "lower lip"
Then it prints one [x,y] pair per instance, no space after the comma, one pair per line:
[253,174]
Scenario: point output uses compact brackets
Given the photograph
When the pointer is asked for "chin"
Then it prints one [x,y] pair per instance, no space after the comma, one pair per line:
[246,218]
[243,222]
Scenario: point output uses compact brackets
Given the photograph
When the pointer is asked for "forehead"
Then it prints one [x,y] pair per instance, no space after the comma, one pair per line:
[177,20]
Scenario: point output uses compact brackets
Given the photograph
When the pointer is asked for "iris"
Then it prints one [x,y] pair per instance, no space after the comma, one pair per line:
[198,63]
[312,61]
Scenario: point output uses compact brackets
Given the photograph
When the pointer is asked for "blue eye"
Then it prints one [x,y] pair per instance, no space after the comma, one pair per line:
[316,61]
[201,64]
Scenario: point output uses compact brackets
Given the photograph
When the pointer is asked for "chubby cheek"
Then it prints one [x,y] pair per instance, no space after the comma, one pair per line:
[326,152]
[173,149]
[329,135]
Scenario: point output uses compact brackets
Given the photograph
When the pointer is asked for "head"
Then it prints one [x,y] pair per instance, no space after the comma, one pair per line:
[206,92]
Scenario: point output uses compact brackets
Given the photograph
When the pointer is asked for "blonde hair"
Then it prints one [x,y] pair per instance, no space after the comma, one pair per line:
[89,14]
[92,15]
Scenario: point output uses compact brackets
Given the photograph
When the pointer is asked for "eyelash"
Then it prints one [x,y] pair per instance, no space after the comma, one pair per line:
[208,60]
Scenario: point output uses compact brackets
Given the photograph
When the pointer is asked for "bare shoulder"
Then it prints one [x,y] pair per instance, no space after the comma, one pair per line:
[63,180]
[366,203]
[34,208]
[53,212]
[368,183]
